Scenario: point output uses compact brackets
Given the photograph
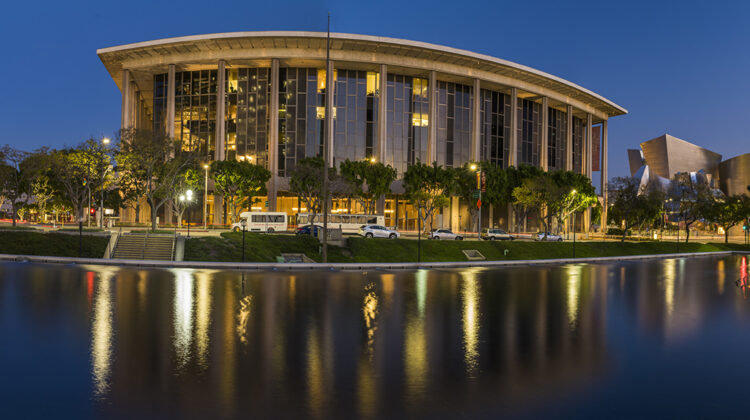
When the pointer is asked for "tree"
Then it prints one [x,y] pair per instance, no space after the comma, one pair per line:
[575,193]
[43,191]
[515,178]
[76,172]
[14,179]
[633,204]
[427,188]
[150,162]
[240,182]
[189,179]
[727,212]
[496,183]
[688,198]
[307,182]
[464,185]
[366,181]
[537,194]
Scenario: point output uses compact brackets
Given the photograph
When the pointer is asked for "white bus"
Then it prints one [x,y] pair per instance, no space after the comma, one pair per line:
[348,223]
[262,221]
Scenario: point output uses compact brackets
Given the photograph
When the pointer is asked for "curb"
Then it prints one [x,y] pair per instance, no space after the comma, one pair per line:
[346,266]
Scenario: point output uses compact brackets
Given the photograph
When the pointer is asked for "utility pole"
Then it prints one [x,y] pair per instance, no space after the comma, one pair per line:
[329,92]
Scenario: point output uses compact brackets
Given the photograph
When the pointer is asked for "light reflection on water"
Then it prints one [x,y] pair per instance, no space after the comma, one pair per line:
[197,344]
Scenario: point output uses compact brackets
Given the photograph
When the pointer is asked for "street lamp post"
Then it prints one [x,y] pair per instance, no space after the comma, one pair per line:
[105,142]
[205,199]
[185,199]
[479,202]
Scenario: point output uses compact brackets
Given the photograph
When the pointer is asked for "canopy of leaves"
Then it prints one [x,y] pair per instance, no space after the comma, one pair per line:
[367,181]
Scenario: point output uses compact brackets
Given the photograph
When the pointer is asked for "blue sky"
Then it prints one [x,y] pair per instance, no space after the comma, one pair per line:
[679,67]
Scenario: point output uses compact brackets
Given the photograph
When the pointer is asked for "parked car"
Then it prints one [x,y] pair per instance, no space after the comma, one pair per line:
[444,234]
[377,231]
[496,235]
[305,230]
[541,236]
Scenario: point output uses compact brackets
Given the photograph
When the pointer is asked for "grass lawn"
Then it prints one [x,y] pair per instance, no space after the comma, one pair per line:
[265,248]
[51,244]
[258,248]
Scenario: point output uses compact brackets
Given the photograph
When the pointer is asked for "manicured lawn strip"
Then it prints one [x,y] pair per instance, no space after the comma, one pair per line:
[51,244]
[258,248]
[265,248]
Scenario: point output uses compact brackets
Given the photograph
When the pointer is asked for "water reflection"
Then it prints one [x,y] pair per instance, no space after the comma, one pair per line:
[199,344]
[183,314]
[101,328]
[470,296]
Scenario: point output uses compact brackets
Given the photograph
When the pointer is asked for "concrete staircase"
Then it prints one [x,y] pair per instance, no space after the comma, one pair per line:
[144,246]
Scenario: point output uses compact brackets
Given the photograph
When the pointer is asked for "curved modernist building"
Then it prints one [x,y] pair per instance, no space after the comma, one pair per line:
[734,175]
[262,96]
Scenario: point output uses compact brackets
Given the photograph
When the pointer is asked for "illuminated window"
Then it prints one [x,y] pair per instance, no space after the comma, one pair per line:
[373,83]
[420,120]
[420,89]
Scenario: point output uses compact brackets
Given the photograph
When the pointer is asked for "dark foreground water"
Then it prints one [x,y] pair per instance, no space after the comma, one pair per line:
[653,339]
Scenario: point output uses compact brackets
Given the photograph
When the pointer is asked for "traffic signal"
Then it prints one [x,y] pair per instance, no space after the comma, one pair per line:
[92,211]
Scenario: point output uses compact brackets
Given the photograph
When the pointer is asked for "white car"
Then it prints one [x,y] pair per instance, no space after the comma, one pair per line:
[549,237]
[445,234]
[496,234]
[377,231]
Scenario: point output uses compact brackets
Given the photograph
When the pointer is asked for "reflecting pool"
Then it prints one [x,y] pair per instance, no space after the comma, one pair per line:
[663,338]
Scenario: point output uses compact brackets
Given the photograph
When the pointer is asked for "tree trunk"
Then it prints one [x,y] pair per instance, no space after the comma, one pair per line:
[726,235]
[137,213]
[13,213]
[152,205]
[687,233]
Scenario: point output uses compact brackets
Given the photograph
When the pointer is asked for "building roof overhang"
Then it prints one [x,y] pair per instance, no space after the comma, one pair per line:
[308,48]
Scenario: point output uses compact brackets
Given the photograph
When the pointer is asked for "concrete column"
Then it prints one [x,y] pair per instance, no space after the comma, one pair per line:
[569,139]
[455,209]
[380,153]
[476,128]
[544,155]
[170,102]
[587,170]
[330,86]
[589,135]
[513,149]
[221,98]
[604,174]
[273,136]
[432,136]
[127,97]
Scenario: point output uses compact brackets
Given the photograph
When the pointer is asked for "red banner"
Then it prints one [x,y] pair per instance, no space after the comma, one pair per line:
[596,141]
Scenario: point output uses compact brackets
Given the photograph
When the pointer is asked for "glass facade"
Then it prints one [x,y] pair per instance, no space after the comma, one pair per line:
[454,116]
[579,132]
[301,115]
[556,129]
[248,93]
[356,114]
[494,128]
[195,110]
[356,102]
[160,103]
[529,131]
[407,122]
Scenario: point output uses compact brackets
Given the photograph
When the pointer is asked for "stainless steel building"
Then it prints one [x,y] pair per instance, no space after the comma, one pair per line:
[734,175]
[261,96]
